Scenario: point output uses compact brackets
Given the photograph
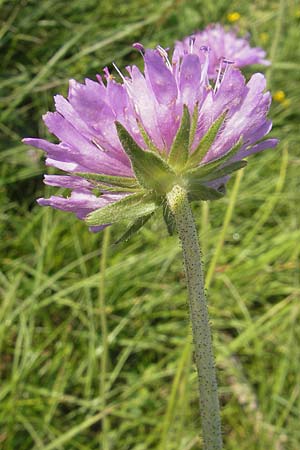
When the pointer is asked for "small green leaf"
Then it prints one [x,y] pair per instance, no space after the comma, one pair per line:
[169,219]
[134,228]
[125,182]
[179,152]
[128,208]
[227,170]
[150,169]
[211,166]
[206,142]
[198,191]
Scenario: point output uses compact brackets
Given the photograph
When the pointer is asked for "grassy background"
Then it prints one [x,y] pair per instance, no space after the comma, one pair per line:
[51,320]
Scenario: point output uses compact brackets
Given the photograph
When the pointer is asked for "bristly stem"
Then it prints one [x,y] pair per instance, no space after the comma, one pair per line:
[204,359]
[104,332]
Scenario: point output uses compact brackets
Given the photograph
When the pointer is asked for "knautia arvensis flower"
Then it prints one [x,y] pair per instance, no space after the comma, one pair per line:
[222,44]
[125,144]
[161,138]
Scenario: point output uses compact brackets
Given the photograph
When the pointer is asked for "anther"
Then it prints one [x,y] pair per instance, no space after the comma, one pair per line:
[139,47]
[205,48]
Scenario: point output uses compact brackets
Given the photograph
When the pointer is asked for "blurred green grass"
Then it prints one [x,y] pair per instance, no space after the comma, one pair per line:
[50,317]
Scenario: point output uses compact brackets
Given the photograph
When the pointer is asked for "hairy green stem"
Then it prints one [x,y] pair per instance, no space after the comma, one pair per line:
[204,359]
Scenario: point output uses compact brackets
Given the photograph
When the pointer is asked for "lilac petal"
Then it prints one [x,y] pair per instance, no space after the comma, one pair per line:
[90,104]
[216,184]
[189,82]
[91,91]
[65,166]
[261,132]
[246,119]
[81,202]
[161,78]
[60,155]
[254,108]
[68,112]
[97,229]
[51,149]
[268,143]
[123,109]
[65,181]
[256,86]
[229,97]
[145,105]
[86,153]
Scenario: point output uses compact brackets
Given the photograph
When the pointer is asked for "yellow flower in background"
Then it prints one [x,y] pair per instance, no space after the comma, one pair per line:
[297,13]
[233,16]
[279,96]
[264,37]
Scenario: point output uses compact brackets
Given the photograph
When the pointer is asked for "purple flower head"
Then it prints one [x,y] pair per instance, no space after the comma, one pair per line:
[221,44]
[124,145]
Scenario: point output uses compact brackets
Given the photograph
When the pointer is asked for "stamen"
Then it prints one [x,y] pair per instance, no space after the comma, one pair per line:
[120,73]
[222,71]
[204,72]
[191,43]
[219,76]
[97,144]
[227,63]
[165,56]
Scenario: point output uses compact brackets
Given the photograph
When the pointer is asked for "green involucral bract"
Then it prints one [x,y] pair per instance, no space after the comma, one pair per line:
[179,152]
[152,172]
[127,209]
[215,165]
[206,142]
[134,227]
[124,182]
[156,176]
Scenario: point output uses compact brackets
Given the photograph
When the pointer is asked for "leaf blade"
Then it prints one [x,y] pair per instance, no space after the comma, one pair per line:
[179,152]
[198,191]
[109,179]
[151,170]
[206,141]
[128,208]
[207,168]
[134,228]
[224,171]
